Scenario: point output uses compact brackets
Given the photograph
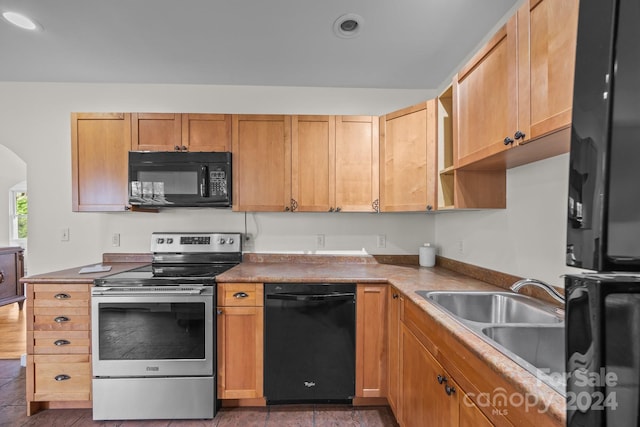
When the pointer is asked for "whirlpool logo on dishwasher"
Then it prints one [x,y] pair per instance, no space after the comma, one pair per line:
[309,384]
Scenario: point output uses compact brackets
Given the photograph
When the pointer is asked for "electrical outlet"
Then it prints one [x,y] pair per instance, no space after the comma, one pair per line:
[115,239]
[320,241]
[460,247]
[382,241]
[64,234]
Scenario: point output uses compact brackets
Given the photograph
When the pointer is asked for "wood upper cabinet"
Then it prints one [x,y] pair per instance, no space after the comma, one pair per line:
[371,341]
[156,131]
[357,151]
[334,163]
[261,147]
[181,132]
[100,143]
[408,159]
[240,341]
[486,99]
[206,132]
[313,166]
[547,36]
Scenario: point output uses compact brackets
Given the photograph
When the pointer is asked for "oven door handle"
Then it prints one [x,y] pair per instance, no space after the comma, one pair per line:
[312,297]
[142,291]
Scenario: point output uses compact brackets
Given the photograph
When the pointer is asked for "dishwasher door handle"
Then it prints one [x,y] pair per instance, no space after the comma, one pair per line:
[313,297]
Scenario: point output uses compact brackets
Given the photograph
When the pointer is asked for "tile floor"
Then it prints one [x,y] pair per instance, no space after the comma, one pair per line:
[13,412]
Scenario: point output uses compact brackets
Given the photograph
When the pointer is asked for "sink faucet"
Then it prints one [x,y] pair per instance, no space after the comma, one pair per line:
[539,284]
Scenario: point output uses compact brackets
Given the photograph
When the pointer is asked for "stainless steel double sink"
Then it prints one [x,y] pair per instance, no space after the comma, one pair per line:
[525,329]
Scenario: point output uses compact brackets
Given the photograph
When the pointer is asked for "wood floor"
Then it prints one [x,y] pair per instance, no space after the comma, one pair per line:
[13,332]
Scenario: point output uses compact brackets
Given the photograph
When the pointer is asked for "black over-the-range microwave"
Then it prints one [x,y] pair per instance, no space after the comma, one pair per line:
[179,179]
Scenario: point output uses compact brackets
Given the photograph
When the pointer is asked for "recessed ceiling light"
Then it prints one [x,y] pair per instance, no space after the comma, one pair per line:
[348,25]
[20,20]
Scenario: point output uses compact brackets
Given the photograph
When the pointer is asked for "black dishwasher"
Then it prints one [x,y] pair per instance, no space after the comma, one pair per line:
[309,346]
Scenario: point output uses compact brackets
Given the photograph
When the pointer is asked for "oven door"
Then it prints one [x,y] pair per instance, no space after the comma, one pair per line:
[153,332]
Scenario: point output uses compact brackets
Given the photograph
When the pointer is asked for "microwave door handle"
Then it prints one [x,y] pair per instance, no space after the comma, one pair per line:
[204,181]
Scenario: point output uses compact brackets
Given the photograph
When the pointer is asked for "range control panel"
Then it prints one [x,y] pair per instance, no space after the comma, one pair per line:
[176,242]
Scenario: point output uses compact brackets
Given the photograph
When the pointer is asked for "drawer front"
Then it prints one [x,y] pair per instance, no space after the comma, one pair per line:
[240,294]
[61,320]
[61,342]
[61,295]
[62,378]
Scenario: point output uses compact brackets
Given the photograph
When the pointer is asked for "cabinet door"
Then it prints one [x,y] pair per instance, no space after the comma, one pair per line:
[261,163]
[371,341]
[408,159]
[424,400]
[156,132]
[487,101]
[547,34]
[240,352]
[100,143]
[206,132]
[470,414]
[357,164]
[393,383]
[313,160]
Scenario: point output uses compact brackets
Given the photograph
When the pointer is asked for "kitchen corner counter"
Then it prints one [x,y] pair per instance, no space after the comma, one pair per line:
[408,280]
[72,275]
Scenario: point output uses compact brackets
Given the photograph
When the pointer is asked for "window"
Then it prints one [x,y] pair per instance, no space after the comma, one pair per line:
[18,205]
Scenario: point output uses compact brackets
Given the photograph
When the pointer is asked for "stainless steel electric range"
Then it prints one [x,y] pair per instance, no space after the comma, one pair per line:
[154,330]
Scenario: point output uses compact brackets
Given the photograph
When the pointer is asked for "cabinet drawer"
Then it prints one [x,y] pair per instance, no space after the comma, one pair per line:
[61,320]
[58,378]
[61,342]
[240,294]
[61,295]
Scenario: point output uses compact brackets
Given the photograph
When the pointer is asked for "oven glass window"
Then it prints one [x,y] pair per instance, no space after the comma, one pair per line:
[147,331]
[175,182]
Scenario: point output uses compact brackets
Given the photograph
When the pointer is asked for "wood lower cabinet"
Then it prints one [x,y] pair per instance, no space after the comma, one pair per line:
[11,271]
[371,340]
[408,159]
[425,401]
[100,144]
[261,147]
[240,341]
[58,346]
[394,303]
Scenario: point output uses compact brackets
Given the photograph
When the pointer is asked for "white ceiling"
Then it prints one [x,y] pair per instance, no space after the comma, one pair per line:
[403,44]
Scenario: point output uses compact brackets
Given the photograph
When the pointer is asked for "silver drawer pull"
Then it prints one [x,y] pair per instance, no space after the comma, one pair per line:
[62,342]
[61,319]
[240,295]
[62,377]
[62,296]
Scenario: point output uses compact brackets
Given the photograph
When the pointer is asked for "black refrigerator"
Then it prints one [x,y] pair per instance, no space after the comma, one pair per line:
[603,221]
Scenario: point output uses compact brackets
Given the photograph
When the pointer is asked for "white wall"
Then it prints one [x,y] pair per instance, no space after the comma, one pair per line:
[13,170]
[35,124]
[528,238]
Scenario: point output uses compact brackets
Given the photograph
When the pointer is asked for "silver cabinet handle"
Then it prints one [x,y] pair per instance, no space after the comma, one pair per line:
[240,295]
[62,377]
[61,319]
[62,296]
[62,342]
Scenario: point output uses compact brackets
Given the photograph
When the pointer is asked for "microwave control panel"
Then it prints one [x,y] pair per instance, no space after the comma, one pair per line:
[218,183]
